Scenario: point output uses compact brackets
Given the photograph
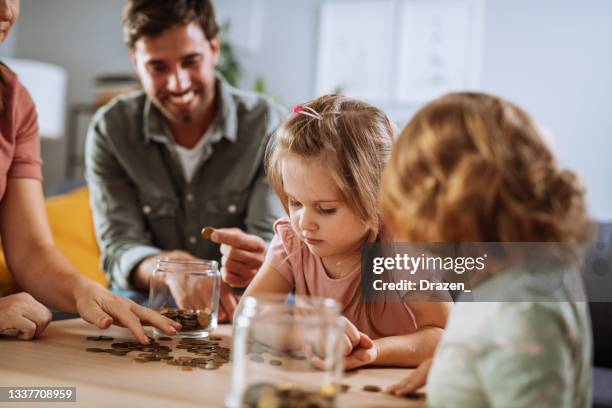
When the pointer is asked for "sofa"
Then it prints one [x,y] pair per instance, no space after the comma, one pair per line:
[73,232]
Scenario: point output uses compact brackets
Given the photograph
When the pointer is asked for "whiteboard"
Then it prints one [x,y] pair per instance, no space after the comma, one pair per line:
[399,52]
[354,48]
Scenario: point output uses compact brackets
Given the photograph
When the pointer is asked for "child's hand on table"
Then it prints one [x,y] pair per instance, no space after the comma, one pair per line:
[412,382]
[359,349]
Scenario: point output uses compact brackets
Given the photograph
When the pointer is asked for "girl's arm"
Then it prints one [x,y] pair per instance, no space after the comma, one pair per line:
[410,350]
[267,281]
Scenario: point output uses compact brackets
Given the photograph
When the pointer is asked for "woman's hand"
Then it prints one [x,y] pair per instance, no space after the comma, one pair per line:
[414,381]
[102,308]
[22,313]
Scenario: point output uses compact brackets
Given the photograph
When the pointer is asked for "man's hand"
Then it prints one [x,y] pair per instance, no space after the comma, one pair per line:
[243,254]
[416,380]
[23,314]
[102,308]
[144,270]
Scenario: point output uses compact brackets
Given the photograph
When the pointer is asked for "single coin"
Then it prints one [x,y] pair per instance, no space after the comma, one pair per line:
[207,232]
[105,338]
[344,387]
[94,350]
[414,396]
[141,360]
[371,388]
[328,390]
[164,338]
[276,362]
[204,320]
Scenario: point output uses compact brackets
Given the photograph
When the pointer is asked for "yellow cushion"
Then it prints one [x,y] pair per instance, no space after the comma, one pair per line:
[73,232]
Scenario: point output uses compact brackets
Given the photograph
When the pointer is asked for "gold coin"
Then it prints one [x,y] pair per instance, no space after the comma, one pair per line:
[141,360]
[328,390]
[207,232]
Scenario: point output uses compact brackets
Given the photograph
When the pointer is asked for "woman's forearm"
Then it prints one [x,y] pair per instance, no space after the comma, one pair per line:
[48,276]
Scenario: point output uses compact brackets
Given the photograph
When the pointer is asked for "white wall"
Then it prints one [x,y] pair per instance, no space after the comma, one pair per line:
[7,48]
[553,57]
[83,36]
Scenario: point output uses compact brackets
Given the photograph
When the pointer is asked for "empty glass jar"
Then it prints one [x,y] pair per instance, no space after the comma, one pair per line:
[286,353]
[187,292]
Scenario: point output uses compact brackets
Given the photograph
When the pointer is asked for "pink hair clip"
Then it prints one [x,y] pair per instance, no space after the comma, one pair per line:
[306,110]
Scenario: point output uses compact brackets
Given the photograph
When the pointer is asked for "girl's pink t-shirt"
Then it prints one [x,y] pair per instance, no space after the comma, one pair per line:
[305,271]
[19,141]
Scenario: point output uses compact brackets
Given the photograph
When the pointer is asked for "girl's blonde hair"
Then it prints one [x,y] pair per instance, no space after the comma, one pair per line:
[353,138]
[471,167]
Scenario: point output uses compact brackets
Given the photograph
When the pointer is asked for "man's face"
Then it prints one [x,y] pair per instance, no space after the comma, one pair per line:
[177,71]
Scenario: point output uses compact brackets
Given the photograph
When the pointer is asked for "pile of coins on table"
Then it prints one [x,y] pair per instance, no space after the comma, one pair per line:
[206,353]
[190,319]
[264,395]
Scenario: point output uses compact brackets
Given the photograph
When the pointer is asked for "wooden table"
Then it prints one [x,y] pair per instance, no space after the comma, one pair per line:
[59,358]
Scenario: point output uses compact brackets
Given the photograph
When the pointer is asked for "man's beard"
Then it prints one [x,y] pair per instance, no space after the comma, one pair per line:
[182,116]
[186,118]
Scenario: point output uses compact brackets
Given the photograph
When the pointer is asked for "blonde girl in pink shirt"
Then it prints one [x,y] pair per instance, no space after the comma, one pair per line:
[325,163]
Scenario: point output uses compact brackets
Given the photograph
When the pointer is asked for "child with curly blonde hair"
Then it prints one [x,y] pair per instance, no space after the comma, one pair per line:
[471,167]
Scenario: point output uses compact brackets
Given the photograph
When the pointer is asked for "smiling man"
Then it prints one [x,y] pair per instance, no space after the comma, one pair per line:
[183,153]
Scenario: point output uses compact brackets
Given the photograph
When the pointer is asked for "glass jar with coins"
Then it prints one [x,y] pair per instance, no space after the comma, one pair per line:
[286,352]
[187,292]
